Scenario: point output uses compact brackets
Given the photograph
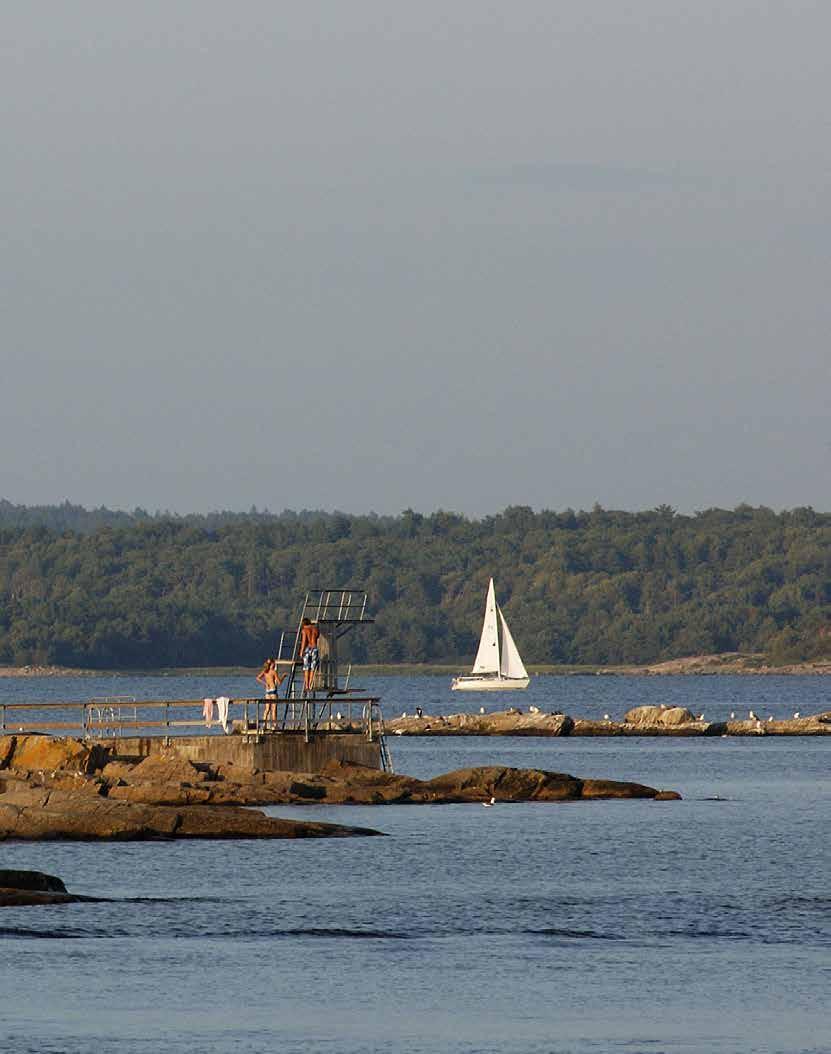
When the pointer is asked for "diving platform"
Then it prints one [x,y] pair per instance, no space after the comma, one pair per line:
[300,731]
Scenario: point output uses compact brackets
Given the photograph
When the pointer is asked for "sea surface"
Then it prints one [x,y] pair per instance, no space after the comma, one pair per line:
[620,926]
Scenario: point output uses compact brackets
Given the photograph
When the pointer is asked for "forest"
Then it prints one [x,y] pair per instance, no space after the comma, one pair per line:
[107,589]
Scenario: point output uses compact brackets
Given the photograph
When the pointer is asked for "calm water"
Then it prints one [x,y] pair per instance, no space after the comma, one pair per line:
[696,926]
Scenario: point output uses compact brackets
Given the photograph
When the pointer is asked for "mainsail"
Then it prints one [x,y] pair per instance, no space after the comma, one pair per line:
[511,665]
[498,665]
[487,658]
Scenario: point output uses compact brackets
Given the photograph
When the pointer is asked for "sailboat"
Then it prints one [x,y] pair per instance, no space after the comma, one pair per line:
[498,665]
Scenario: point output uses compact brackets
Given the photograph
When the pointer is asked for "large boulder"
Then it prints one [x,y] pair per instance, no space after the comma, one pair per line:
[33,753]
[661,716]
[27,888]
[503,783]
[34,881]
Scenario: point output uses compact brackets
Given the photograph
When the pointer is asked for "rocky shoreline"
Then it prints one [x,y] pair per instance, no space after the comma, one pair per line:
[732,663]
[640,721]
[54,788]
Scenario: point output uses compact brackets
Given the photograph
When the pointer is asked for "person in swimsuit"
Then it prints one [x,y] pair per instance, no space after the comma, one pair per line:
[271,681]
[309,653]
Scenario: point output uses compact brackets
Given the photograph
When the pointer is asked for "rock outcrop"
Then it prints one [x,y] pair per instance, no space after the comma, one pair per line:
[511,722]
[33,752]
[166,796]
[24,888]
[44,805]
[639,721]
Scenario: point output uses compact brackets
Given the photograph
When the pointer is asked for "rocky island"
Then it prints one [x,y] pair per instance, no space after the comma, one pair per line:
[53,788]
[639,721]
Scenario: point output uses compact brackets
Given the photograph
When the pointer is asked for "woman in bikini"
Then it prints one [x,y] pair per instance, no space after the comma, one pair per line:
[271,681]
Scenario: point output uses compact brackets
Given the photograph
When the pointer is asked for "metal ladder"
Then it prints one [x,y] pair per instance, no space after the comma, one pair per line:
[379,730]
[386,757]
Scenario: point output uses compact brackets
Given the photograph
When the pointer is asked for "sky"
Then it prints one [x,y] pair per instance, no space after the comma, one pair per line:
[376,255]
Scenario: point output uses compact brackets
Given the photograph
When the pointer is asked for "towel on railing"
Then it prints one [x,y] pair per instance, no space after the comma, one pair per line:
[208,711]
[222,711]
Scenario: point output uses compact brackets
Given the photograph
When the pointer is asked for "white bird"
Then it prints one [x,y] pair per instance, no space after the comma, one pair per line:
[732,715]
[770,719]
[488,804]
[751,715]
[338,715]
[796,715]
[533,709]
[481,709]
[404,714]
[700,717]
[398,732]
[605,717]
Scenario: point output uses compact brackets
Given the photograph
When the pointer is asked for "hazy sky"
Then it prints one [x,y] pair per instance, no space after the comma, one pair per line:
[372,255]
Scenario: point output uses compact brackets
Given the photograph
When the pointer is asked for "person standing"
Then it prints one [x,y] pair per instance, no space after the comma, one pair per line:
[309,653]
[271,681]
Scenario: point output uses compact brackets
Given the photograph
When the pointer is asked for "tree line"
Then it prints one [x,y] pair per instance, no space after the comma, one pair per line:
[107,589]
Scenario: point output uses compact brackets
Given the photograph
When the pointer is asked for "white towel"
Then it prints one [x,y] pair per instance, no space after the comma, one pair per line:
[222,711]
[208,711]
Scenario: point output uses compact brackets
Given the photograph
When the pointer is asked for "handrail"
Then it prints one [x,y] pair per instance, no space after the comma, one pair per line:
[330,715]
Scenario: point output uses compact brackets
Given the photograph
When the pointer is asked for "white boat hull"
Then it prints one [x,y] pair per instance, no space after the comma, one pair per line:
[488,684]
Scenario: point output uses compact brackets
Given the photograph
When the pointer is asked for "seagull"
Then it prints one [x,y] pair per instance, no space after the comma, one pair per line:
[796,715]
[481,709]
[700,717]
[770,719]
[488,804]
[605,717]
[751,715]
[732,715]
[533,709]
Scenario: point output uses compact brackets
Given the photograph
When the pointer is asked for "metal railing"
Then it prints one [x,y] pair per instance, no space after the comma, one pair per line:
[115,716]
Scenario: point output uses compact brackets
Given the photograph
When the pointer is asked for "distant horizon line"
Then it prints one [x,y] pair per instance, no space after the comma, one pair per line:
[139,511]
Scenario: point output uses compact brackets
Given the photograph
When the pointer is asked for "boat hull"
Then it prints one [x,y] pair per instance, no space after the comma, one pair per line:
[489,684]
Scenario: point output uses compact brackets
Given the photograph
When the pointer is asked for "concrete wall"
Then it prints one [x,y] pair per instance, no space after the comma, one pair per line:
[286,751]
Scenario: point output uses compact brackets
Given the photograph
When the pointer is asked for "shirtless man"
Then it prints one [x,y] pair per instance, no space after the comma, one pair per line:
[309,636]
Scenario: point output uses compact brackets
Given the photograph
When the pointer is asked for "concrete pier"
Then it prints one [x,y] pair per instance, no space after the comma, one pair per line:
[271,752]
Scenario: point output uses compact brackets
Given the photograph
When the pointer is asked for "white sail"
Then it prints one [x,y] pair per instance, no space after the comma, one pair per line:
[511,665]
[489,674]
[487,658]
